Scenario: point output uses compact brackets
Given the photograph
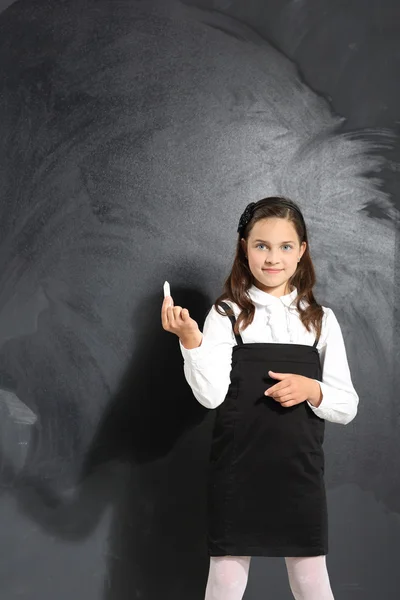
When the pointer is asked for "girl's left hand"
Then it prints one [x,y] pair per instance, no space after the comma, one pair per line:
[293,389]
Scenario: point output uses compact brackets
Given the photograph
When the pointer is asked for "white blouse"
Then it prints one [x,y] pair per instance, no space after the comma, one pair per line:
[207,368]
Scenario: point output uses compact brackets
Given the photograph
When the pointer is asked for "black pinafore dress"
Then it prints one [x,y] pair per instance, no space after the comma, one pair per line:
[266,491]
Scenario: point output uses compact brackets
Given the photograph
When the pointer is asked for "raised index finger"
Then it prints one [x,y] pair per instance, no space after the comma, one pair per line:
[168,301]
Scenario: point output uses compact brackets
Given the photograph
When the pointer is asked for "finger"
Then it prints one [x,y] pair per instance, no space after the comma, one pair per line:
[277,388]
[292,402]
[177,310]
[174,316]
[284,398]
[270,391]
[279,395]
[279,375]
[185,314]
[170,316]
[182,314]
[289,403]
[167,303]
[164,316]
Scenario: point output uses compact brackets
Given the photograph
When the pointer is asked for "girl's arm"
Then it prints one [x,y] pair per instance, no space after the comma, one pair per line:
[207,368]
[339,398]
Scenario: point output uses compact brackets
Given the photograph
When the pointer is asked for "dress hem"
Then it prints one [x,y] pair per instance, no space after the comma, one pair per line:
[271,552]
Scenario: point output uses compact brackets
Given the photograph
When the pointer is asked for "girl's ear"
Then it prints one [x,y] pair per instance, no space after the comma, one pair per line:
[244,245]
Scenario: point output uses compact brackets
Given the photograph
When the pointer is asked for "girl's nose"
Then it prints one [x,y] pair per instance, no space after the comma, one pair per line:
[272,259]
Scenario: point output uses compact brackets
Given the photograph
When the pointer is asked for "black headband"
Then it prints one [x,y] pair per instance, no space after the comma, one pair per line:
[249,211]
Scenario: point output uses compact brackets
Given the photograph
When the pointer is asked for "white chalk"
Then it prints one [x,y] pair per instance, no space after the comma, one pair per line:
[167,289]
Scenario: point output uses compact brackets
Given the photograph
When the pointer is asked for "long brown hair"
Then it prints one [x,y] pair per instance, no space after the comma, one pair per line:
[240,278]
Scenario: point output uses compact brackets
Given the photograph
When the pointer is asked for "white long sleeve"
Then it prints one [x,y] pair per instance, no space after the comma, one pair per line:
[339,398]
[207,367]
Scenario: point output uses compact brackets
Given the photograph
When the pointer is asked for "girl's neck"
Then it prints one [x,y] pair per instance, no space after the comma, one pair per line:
[278,292]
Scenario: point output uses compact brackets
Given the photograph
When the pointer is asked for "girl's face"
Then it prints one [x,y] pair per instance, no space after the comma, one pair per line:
[273,244]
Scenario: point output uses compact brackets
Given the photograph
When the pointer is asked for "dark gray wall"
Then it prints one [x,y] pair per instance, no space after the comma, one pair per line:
[132,136]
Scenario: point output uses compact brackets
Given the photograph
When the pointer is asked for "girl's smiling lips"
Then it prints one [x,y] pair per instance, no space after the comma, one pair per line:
[272,270]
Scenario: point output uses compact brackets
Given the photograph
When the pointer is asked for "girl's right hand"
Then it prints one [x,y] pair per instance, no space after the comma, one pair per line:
[176,319]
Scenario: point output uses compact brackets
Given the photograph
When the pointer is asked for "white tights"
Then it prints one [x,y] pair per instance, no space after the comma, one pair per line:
[308,577]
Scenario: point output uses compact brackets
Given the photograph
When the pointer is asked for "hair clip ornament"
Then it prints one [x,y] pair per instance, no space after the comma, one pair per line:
[246,216]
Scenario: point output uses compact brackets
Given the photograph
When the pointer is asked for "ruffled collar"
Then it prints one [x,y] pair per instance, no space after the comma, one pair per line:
[265,299]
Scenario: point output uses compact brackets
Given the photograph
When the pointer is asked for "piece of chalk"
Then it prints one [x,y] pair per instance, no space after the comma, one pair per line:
[167,290]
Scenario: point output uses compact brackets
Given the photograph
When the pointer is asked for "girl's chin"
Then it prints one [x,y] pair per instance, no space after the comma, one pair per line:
[267,283]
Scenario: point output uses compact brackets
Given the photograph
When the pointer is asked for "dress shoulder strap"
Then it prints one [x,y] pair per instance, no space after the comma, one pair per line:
[232,318]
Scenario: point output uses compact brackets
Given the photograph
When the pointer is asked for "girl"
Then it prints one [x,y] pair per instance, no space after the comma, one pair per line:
[272,361]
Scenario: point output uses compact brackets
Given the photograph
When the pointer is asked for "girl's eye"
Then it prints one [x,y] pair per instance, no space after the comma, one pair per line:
[284,246]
